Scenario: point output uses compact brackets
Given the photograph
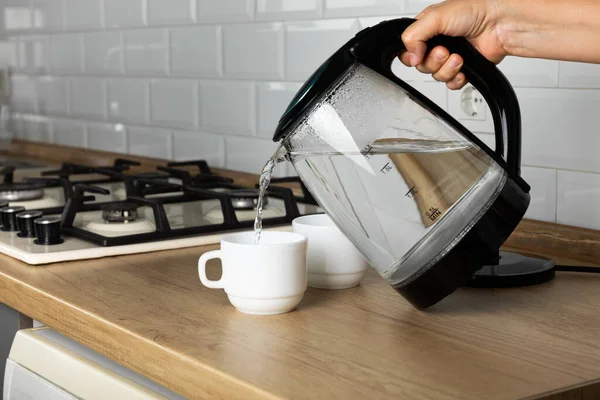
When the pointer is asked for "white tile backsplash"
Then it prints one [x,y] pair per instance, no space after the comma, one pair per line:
[578,200]
[350,8]
[107,137]
[24,93]
[527,72]
[83,14]
[174,103]
[579,75]
[103,53]
[171,12]
[559,128]
[69,133]
[123,13]
[302,54]
[543,193]
[149,142]
[199,146]
[227,107]
[48,15]
[225,11]
[253,51]
[196,51]
[128,100]
[66,53]
[207,79]
[36,128]
[273,98]
[52,95]
[244,154]
[146,52]
[87,98]
[288,9]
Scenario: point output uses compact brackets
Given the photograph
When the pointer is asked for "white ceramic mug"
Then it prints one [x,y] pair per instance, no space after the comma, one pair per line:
[265,278]
[333,262]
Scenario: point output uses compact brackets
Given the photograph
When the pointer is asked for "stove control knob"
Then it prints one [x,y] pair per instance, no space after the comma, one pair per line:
[47,230]
[8,218]
[25,223]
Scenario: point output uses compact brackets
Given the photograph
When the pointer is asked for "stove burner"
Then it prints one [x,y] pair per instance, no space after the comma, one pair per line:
[120,212]
[245,199]
[21,191]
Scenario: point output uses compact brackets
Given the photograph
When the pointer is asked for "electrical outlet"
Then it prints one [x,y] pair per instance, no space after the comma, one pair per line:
[470,109]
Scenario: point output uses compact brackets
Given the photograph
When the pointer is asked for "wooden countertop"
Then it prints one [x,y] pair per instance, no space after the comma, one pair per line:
[151,313]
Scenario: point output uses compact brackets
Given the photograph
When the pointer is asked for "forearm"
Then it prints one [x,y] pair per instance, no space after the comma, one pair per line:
[554,29]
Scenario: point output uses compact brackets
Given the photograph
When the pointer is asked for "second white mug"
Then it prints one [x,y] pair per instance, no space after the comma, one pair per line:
[333,262]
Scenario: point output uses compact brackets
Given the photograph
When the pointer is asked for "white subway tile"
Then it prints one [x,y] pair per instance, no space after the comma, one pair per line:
[123,13]
[66,53]
[17,16]
[253,51]
[171,12]
[128,100]
[146,52]
[530,72]
[36,128]
[52,95]
[273,99]
[149,142]
[560,129]
[310,43]
[69,133]
[543,193]
[227,107]
[250,155]
[579,75]
[434,91]
[174,103]
[24,93]
[8,54]
[285,10]
[196,51]
[578,199]
[367,22]
[82,14]
[413,7]
[225,11]
[32,54]
[351,8]
[107,137]
[103,52]
[87,97]
[15,125]
[48,15]
[199,146]
[409,74]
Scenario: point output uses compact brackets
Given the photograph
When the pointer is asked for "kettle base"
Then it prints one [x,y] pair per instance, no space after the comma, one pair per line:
[513,270]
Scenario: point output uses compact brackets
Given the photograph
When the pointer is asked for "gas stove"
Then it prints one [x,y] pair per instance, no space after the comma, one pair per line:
[81,212]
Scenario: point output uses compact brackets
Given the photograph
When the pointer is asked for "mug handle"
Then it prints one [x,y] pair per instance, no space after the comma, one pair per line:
[209,255]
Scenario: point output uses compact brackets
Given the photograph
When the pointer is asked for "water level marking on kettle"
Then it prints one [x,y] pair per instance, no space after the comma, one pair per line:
[433,213]
[411,192]
[386,168]
[367,151]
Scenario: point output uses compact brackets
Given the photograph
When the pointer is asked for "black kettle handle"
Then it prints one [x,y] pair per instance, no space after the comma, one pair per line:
[377,46]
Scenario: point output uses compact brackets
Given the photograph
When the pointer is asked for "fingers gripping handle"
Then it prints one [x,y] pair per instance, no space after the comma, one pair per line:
[202,270]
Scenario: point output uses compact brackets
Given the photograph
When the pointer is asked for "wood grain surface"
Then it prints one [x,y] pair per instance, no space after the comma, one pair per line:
[150,313]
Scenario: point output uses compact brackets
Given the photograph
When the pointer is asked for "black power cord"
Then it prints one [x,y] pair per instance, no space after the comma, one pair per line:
[573,268]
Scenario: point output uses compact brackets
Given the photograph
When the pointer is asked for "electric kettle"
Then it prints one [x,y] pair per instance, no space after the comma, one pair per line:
[424,200]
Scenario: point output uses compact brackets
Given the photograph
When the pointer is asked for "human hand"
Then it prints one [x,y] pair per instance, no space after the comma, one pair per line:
[477,21]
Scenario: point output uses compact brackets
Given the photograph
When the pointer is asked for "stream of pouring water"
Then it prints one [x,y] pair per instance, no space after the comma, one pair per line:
[263,182]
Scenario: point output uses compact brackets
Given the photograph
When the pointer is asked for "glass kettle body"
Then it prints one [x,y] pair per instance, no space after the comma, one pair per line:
[423,199]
